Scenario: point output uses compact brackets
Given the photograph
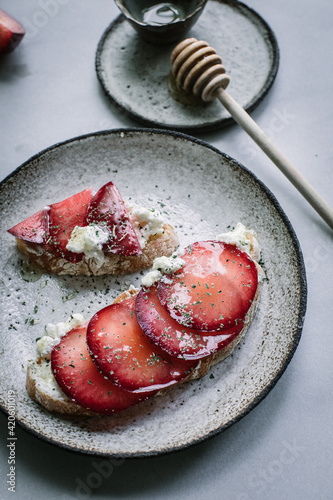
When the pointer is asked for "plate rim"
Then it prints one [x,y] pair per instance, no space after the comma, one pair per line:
[122,132]
[215,125]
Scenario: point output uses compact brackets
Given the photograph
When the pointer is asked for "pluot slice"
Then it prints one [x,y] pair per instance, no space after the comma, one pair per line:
[213,290]
[125,355]
[175,339]
[81,381]
[108,211]
[63,217]
[11,33]
[34,228]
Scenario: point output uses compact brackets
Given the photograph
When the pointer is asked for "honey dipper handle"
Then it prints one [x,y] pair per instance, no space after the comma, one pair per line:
[295,177]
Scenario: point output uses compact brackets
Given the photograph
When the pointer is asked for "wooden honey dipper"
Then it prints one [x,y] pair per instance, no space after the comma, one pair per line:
[198,70]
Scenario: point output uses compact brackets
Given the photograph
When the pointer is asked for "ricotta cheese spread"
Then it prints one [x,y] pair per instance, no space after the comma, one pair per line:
[45,380]
[161,266]
[147,222]
[53,333]
[89,240]
[42,371]
[239,236]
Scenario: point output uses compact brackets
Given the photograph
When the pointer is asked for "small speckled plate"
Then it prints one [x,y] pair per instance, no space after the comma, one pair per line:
[134,73]
[201,192]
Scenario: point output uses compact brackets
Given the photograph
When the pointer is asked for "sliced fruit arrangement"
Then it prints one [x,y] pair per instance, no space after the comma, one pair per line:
[138,346]
[81,381]
[126,356]
[53,226]
[174,338]
[213,290]
[11,33]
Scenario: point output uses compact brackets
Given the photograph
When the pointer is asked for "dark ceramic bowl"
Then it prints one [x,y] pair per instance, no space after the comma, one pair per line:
[161,23]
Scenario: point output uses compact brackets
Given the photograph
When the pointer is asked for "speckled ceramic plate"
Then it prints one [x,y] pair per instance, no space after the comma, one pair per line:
[201,192]
[134,73]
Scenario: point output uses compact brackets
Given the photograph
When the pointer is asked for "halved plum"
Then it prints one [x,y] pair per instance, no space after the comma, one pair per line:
[11,33]
[81,381]
[175,339]
[33,229]
[213,290]
[108,211]
[63,217]
[125,355]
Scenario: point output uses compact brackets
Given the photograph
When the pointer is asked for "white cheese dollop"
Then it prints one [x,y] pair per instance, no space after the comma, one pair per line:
[146,222]
[239,237]
[150,278]
[89,240]
[162,265]
[55,332]
[45,381]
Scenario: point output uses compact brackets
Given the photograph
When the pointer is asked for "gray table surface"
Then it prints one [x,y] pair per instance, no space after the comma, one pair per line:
[283,448]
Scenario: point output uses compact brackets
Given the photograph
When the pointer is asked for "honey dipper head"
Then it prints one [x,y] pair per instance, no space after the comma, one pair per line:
[198,69]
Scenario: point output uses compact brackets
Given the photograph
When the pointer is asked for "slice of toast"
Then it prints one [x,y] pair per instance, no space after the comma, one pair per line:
[43,389]
[164,243]
[95,234]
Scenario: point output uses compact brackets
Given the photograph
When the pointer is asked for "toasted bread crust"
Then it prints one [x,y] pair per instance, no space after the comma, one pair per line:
[66,406]
[161,244]
[61,404]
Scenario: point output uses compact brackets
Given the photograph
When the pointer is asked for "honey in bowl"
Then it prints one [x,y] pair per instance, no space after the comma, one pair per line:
[161,22]
[163,13]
